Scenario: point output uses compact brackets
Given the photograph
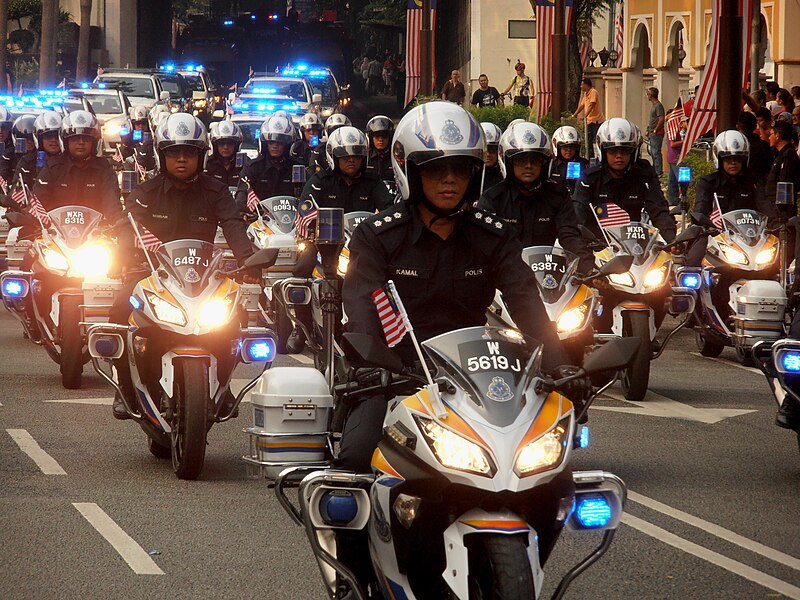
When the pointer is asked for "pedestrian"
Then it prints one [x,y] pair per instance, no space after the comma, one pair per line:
[786,104]
[365,74]
[796,119]
[772,88]
[655,130]
[764,123]
[589,105]
[761,155]
[786,166]
[400,85]
[388,69]
[453,90]
[375,72]
[795,93]
[688,106]
[521,86]
[485,95]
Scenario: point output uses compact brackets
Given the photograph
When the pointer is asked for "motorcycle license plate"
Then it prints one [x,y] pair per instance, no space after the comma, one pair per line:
[768,307]
[299,412]
[285,253]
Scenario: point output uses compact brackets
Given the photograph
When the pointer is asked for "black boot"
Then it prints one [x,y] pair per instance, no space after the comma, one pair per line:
[788,415]
[296,341]
[118,408]
[125,383]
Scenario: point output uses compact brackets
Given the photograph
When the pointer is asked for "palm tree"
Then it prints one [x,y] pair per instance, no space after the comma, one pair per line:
[3,36]
[83,41]
[47,58]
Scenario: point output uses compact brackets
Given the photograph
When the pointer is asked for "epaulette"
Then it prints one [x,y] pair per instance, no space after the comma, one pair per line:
[487,220]
[388,219]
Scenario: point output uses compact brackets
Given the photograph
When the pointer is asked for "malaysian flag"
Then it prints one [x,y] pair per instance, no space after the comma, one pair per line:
[252,200]
[18,195]
[38,211]
[147,240]
[306,214]
[611,215]
[413,46]
[704,111]
[585,43]
[117,155]
[545,27]
[3,184]
[392,322]
[716,214]
[620,34]
[674,121]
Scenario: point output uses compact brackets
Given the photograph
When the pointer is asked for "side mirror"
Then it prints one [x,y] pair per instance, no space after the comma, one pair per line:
[701,219]
[617,265]
[690,233]
[316,99]
[264,258]
[362,349]
[612,356]
[163,95]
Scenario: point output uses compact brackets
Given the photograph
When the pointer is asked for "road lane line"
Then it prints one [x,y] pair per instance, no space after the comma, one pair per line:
[46,463]
[716,530]
[94,401]
[734,566]
[730,363]
[303,359]
[131,552]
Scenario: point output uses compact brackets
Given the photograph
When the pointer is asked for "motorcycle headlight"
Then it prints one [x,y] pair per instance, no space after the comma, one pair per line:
[656,277]
[214,313]
[732,255]
[545,452]
[166,311]
[92,261]
[573,319]
[344,261]
[766,256]
[53,259]
[112,129]
[327,112]
[625,279]
[454,451]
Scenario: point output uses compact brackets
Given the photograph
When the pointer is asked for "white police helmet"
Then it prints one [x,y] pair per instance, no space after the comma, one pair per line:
[346,141]
[492,133]
[617,133]
[730,143]
[522,138]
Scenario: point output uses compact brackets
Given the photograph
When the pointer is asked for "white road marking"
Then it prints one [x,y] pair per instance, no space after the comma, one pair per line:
[656,405]
[46,463]
[303,359]
[716,530]
[95,401]
[734,566]
[730,363]
[131,552]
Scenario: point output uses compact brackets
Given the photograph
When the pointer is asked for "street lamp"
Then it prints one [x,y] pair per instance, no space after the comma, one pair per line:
[592,56]
[681,55]
[613,56]
[604,57]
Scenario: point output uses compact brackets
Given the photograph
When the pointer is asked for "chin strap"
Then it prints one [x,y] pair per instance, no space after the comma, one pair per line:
[462,208]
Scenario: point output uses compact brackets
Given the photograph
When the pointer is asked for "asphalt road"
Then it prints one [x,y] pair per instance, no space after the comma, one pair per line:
[712,514]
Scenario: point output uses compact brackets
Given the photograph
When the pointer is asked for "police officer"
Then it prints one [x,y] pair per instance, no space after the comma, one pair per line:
[79,176]
[332,123]
[269,174]
[623,179]
[6,145]
[446,261]
[379,132]
[22,133]
[47,140]
[492,175]
[303,150]
[538,211]
[139,154]
[226,139]
[567,149]
[179,203]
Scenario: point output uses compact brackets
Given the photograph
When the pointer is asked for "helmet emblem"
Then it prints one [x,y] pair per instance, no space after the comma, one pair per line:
[451,134]
[570,135]
[80,120]
[619,134]
[182,129]
[351,138]
[499,390]
[191,276]
[528,138]
[549,282]
[735,144]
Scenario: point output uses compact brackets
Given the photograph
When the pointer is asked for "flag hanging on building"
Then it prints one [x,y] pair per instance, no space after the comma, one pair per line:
[585,43]
[620,33]
[392,322]
[545,26]
[704,110]
[413,46]
[674,121]
[611,215]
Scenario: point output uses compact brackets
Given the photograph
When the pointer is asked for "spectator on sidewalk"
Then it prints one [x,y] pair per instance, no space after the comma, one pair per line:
[521,86]
[375,80]
[453,90]
[688,106]
[485,95]
[795,93]
[589,105]
[655,130]
[761,155]
[674,147]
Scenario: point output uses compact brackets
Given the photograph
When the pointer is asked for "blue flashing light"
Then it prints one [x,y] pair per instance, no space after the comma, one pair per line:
[261,107]
[244,106]
[227,22]
[302,67]
[137,135]
[274,17]
[593,512]
[14,288]
[573,170]
[791,361]
[583,438]
[338,507]
[260,350]
[253,17]
[190,67]
[690,280]
[135,302]
[102,86]
[262,90]
[684,174]
[168,68]
[84,86]
[106,346]
[123,131]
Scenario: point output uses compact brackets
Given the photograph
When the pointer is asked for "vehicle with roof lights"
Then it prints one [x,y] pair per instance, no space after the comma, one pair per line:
[203,93]
[269,93]
[110,106]
[250,124]
[323,82]
[141,86]
[33,102]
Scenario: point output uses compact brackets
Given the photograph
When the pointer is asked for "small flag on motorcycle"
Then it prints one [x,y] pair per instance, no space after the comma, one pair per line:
[18,195]
[3,185]
[38,210]
[252,200]
[716,214]
[611,215]
[306,214]
[392,322]
[147,240]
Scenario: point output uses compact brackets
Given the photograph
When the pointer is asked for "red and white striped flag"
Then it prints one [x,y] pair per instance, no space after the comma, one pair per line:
[611,215]
[38,211]
[117,155]
[306,214]
[252,200]
[674,121]
[704,111]
[413,47]
[545,27]
[585,43]
[716,214]
[620,34]
[18,195]
[392,322]
[3,184]
[148,240]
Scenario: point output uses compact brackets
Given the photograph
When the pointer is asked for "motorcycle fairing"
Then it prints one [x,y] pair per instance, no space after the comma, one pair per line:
[280,212]
[190,263]
[635,238]
[552,267]
[74,224]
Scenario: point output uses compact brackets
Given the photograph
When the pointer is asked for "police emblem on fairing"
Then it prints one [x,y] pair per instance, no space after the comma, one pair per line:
[499,390]
[451,134]
[549,282]
[528,138]
[637,250]
[182,129]
[191,276]
[751,233]
[286,219]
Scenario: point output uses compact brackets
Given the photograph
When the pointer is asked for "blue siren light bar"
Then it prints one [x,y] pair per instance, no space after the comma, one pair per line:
[790,361]
[593,512]
[684,174]
[690,280]
[15,288]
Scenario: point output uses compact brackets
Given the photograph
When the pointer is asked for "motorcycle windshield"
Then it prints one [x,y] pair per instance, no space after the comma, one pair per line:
[75,223]
[552,267]
[281,212]
[636,239]
[353,219]
[746,225]
[491,364]
[190,263]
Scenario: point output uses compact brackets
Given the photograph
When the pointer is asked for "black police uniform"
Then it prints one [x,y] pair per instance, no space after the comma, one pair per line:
[92,184]
[140,153]
[379,164]
[638,189]
[492,176]
[267,177]
[26,168]
[540,218]
[785,167]
[223,171]
[7,160]
[558,171]
[308,156]
[761,157]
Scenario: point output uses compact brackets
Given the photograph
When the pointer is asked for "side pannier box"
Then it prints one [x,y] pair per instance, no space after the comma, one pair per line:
[98,297]
[291,414]
[760,310]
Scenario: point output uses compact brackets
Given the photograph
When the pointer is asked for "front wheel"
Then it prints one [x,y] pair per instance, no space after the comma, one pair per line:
[707,346]
[189,426]
[283,327]
[71,343]
[637,376]
[500,569]
[745,357]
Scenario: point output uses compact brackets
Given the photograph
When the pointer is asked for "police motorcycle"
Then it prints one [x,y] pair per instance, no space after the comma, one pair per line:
[742,254]
[567,296]
[780,363]
[452,505]
[67,287]
[182,343]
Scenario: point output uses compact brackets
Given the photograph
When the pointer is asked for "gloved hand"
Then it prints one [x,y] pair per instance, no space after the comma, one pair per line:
[252,275]
[578,390]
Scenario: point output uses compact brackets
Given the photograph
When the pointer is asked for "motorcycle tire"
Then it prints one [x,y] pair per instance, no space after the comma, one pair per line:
[706,346]
[745,357]
[283,327]
[636,377]
[189,426]
[159,451]
[500,569]
[71,343]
